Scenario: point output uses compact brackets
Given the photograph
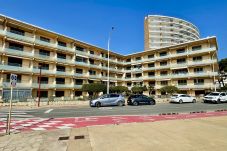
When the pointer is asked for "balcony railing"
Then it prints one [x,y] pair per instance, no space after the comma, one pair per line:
[20,37]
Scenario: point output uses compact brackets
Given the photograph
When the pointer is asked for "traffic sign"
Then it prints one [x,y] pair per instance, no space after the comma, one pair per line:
[13,80]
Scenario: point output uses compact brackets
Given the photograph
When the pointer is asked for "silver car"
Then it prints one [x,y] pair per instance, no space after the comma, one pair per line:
[108,99]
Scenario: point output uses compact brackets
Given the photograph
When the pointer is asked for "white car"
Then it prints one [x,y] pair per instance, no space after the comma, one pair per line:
[181,98]
[215,97]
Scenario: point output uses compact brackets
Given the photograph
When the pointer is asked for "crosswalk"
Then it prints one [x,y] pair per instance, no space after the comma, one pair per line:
[16,115]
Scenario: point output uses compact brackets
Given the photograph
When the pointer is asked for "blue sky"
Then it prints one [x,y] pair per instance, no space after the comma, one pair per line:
[91,20]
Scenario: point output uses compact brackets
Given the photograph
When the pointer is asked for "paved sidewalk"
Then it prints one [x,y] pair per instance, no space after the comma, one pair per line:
[203,134]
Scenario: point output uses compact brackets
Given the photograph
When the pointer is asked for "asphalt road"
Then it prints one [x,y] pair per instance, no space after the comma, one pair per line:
[113,110]
[125,110]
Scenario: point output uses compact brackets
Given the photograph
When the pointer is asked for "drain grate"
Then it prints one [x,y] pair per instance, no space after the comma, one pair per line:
[63,138]
[79,137]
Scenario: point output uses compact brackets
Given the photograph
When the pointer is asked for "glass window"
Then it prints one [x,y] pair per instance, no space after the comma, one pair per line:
[164,82]
[161,54]
[17,31]
[60,43]
[60,68]
[150,56]
[128,60]
[194,48]
[79,48]
[181,60]
[197,70]
[150,65]
[78,81]
[163,63]
[61,56]
[44,66]
[16,46]
[44,52]
[182,82]
[44,39]
[138,58]
[198,58]
[79,70]
[181,51]
[198,81]
[92,52]
[60,80]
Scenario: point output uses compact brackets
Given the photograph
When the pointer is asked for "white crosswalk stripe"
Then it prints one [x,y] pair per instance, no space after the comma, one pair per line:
[16,115]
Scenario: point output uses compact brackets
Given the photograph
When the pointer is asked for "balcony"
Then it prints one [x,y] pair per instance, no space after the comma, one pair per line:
[44,57]
[19,85]
[67,61]
[82,63]
[16,52]
[66,85]
[44,43]
[43,71]
[43,86]
[77,86]
[65,48]
[94,76]
[15,67]
[20,37]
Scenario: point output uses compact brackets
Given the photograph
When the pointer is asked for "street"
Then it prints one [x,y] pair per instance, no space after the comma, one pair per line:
[83,111]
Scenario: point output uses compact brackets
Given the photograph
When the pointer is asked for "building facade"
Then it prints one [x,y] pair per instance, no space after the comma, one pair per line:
[162,31]
[67,64]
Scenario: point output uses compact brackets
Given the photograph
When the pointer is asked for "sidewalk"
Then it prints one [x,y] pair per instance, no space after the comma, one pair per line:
[204,134]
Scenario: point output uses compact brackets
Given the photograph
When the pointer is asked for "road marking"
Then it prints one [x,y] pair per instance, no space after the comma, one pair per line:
[48,111]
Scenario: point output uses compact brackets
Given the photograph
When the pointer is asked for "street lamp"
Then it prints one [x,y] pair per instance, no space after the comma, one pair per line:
[40,71]
[108,71]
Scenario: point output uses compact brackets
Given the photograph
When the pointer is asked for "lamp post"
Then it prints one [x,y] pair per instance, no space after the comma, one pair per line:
[108,71]
[40,71]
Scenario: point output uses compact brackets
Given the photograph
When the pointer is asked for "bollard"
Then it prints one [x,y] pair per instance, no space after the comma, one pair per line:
[7,121]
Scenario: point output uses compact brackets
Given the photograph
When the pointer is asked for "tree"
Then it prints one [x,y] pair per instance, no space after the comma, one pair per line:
[94,88]
[118,89]
[138,89]
[150,89]
[169,89]
[223,65]
[224,88]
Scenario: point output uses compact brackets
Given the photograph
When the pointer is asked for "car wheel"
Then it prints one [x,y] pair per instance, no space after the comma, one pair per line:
[204,101]
[98,104]
[194,101]
[218,101]
[152,103]
[180,101]
[120,103]
[135,103]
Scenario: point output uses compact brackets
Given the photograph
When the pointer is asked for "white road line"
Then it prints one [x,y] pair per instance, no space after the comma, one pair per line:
[48,111]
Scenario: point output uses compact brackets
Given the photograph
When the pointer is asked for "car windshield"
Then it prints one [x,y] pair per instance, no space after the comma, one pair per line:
[214,94]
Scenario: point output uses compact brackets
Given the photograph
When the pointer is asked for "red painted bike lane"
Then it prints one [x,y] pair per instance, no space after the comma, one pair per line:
[77,122]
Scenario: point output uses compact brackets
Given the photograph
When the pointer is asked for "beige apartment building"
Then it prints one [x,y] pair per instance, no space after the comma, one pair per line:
[68,63]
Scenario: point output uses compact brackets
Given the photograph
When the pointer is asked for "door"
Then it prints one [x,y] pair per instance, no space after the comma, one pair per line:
[113,99]
[223,97]
[104,99]
[189,98]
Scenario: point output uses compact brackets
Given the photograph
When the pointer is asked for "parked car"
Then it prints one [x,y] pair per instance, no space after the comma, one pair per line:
[215,97]
[108,99]
[140,99]
[181,98]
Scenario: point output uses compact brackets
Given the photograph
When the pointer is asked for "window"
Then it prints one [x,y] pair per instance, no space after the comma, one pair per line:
[59,93]
[128,75]
[60,43]
[150,56]
[17,31]
[91,61]
[60,80]
[14,62]
[16,46]
[78,93]
[198,81]
[198,58]
[182,82]
[163,73]
[138,75]
[79,48]
[194,48]
[181,61]
[180,71]
[80,71]
[129,84]
[128,68]
[161,54]
[81,59]
[79,81]
[61,55]
[181,51]
[92,72]
[164,82]
[44,39]
[60,68]
[44,52]
[163,63]
[43,94]
[138,58]
[44,80]
[92,52]
[150,65]
[114,95]
[128,60]
[152,83]
[198,70]
[151,74]
[44,66]
[18,78]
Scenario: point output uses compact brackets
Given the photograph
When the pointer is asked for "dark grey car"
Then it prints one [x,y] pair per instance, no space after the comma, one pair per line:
[108,99]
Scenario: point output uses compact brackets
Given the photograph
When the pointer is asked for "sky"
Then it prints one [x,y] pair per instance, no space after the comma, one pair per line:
[91,20]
